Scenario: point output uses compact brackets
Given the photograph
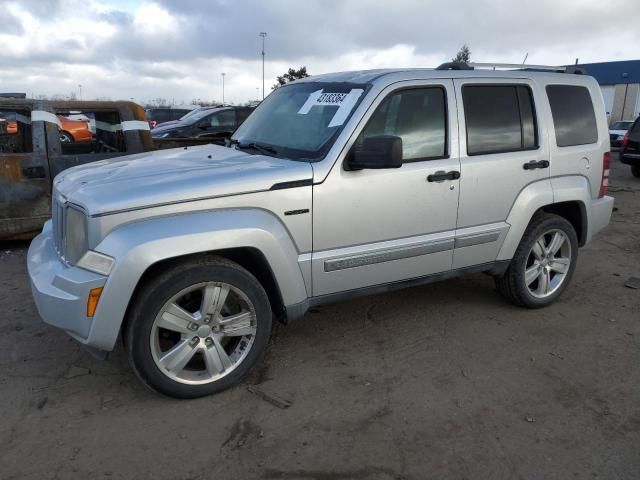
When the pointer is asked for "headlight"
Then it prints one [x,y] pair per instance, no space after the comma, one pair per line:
[75,235]
[96,262]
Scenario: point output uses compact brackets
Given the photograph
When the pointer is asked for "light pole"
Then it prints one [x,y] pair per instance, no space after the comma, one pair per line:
[258,93]
[223,74]
[263,35]
[80,91]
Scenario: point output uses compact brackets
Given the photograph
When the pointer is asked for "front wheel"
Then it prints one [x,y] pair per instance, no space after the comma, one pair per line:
[198,328]
[543,264]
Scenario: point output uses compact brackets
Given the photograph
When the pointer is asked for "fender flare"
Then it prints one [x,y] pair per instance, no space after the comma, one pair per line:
[530,199]
[139,245]
[533,197]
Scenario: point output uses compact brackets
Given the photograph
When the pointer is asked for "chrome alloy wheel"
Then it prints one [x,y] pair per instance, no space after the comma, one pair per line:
[548,263]
[203,332]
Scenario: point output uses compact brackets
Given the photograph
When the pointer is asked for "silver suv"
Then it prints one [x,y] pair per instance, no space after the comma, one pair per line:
[336,186]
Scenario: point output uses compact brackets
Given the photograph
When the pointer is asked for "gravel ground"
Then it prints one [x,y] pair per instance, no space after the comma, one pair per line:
[440,381]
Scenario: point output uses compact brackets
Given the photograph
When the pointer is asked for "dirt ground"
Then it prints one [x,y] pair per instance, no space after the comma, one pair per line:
[440,381]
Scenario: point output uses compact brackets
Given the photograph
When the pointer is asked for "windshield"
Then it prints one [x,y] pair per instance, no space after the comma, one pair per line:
[301,121]
[621,125]
[199,115]
[191,113]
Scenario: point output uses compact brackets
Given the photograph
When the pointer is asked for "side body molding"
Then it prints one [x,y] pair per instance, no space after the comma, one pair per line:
[531,198]
[137,246]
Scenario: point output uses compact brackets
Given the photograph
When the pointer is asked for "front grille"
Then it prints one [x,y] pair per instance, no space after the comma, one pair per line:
[57,216]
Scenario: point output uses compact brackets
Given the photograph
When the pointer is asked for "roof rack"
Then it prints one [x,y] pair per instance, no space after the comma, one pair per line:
[472,66]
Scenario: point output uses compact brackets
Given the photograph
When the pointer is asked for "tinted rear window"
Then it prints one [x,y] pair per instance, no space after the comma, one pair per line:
[499,118]
[574,119]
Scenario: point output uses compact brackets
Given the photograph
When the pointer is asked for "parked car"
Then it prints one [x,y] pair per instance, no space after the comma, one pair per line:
[338,185]
[187,115]
[617,131]
[630,151]
[39,139]
[157,115]
[210,125]
[74,130]
[8,123]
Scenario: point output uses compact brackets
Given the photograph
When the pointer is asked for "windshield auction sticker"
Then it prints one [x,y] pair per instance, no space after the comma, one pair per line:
[344,102]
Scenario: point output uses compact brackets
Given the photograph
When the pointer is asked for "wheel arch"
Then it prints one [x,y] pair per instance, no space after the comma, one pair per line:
[253,238]
[568,197]
[249,258]
[575,212]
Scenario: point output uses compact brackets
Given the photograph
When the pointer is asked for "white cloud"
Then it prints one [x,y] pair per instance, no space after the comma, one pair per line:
[176,49]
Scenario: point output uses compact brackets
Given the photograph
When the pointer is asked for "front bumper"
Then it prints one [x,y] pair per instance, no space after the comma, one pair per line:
[60,292]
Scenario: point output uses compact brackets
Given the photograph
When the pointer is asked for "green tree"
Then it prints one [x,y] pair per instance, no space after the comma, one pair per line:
[463,55]
[290,76]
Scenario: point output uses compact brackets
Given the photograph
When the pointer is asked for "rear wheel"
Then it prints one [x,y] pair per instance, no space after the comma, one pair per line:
[635,170]
[543,264]
[66,137]
[198,328]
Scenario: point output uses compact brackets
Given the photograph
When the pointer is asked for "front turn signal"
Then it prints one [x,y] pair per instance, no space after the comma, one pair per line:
[92,301]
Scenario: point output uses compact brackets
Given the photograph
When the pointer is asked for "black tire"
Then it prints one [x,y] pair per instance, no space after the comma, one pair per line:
[512,285]
[635,170]
[66,137]
[159,289]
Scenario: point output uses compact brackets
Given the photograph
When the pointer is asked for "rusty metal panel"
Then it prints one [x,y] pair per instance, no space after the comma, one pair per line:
[25,178]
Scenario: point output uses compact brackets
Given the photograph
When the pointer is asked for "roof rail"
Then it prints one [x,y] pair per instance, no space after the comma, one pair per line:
[521,66]
[457,65]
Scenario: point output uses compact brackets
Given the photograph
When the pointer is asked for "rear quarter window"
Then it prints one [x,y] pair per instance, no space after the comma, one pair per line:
[574,119]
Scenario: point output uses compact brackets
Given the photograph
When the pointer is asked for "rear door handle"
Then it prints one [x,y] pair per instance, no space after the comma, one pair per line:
[441,176]
[532,165]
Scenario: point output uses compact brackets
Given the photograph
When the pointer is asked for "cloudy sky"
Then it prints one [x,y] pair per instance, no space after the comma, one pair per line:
[177,49]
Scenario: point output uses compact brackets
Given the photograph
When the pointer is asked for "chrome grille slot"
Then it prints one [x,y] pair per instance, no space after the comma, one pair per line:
[57,216]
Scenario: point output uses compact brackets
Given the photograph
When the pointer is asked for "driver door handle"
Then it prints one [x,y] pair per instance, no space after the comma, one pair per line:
[441,176]
[532,165]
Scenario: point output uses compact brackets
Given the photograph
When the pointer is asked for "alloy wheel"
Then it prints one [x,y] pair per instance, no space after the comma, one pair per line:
[548,263]
[203,333]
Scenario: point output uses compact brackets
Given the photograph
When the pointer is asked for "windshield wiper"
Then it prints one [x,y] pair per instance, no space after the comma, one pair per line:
[264,149]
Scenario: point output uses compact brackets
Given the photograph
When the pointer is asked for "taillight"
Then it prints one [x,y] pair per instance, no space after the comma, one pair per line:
[152,123]
[604,183]
[625,140]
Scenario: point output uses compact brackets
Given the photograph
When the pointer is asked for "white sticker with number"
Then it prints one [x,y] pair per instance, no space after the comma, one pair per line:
[344,101]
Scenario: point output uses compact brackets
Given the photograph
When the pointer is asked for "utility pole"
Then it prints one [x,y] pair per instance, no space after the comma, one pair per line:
[263,35]
[223,74]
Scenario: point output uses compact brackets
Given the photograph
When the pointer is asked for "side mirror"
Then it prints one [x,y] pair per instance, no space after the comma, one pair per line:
[382,151]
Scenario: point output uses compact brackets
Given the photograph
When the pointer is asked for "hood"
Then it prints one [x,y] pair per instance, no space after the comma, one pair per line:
[170,123]
[174,175]
[167,127]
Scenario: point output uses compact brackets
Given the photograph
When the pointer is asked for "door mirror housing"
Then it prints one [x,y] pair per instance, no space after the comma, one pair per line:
[381,151]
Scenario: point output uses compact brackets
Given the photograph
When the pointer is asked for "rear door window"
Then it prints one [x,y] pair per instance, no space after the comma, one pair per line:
[499,118]
[574,119]
[15,131]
